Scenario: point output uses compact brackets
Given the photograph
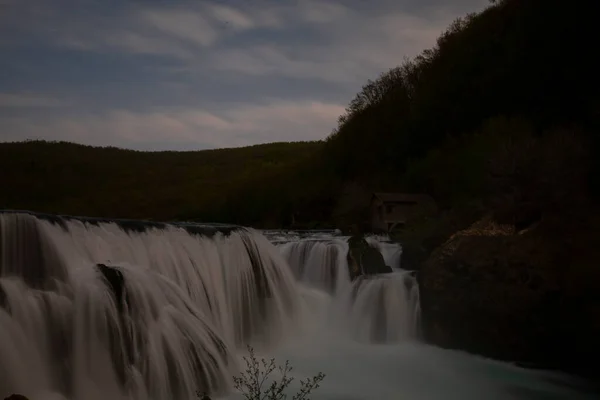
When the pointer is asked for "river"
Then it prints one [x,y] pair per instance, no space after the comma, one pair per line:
[95,309]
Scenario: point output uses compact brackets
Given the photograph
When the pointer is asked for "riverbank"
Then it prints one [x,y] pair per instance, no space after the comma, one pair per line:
[518,268]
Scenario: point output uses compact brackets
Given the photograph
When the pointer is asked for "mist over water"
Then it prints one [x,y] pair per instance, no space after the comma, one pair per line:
[172,308]
[365,336]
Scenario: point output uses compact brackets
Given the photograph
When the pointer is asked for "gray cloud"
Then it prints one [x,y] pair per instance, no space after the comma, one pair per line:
[29,100]
[236,126]
[332,46]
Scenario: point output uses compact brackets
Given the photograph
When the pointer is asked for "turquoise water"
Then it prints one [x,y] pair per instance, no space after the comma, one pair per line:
[169,313]
[332,339]
[408,370]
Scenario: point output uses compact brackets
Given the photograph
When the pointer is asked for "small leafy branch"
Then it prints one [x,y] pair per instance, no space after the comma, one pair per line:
[251,382]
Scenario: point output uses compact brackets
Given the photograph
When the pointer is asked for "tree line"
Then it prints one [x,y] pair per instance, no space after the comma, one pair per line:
[518,68]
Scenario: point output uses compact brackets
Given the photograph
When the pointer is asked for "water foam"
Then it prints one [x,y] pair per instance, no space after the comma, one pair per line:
[170,308]
[372,309]
[162,319]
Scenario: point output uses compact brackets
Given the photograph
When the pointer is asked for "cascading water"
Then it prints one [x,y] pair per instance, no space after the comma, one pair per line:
[97,309]
[383,309]
[378,308]
[321,264]
[364,336]
[93,309]
[391,251]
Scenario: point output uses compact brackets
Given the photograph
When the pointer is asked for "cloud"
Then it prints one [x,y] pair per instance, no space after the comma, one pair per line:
[285,121]
[167,30]
[184,128]
[321,12]
[181,24]
[351,51]
[340,42]
[228,15]
[331,26]
[231,73]
[25,100]
[343,46]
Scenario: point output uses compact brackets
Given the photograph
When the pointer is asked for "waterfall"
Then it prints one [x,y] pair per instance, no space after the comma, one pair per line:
[91,309]
[381,308]
[390,251]
[95,309]
[319,264]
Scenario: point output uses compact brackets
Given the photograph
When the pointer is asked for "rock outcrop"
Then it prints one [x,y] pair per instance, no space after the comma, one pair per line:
[527,296]
[372,262]
[364,259]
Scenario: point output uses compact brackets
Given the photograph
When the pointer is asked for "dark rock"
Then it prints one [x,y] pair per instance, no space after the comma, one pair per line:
[413,256]
[372,262]
[115,281]
[519,297]
[356,246]
[3,300]
[521,215]
[16,397]
[364,259]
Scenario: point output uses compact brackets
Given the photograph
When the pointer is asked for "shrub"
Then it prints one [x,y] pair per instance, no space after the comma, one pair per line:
[253,382]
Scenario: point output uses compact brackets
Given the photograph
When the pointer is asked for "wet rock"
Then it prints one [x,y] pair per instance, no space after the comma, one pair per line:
[356,246]
[372,262]
[364,259]
[114,279]
[16,397]
[3,300]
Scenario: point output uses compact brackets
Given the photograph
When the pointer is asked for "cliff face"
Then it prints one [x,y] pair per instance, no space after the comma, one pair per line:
[527,296]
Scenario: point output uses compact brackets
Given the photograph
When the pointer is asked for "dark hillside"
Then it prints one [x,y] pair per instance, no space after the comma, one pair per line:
[60,177]
[499,123]
[528,59]
[531,61]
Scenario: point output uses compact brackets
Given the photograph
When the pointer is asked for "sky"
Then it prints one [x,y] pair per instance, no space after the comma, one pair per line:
[188,75]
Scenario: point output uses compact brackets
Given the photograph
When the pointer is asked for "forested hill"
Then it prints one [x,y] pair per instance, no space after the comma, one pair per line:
[496,83]
[61,177]
[506,96]
[527,59]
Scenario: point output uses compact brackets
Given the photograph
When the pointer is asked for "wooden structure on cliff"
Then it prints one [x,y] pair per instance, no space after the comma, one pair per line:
[390,210]
[379,212]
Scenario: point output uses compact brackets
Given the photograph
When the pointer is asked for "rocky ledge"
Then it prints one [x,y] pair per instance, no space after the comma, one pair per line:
[365,260]
[528,296]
